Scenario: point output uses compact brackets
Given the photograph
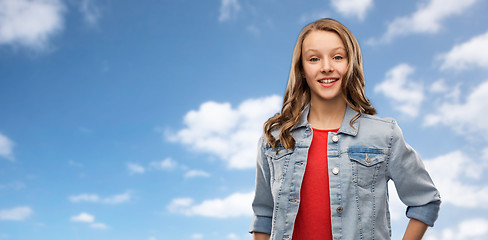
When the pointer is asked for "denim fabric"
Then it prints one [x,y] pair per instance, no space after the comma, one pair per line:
[361,160]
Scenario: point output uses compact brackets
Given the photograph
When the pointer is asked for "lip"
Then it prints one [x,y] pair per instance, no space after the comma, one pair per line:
[328,78]
[328,84]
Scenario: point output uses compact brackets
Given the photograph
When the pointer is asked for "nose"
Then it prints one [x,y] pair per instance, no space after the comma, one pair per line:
[326,66]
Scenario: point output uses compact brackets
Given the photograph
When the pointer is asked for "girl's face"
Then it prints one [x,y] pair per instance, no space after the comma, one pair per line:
[324,60]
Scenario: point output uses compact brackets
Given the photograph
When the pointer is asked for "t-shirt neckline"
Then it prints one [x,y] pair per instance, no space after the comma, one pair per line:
[326,130]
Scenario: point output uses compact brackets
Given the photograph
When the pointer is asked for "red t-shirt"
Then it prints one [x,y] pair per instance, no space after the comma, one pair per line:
[313,218]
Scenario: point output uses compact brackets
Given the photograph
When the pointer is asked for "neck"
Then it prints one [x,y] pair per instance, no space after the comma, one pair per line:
[326,114]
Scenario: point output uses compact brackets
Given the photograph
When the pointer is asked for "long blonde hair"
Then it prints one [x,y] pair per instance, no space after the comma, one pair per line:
[297,94]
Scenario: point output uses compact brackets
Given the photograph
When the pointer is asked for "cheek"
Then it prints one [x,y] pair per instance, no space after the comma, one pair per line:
[309,71]
[343,68]
[308,80]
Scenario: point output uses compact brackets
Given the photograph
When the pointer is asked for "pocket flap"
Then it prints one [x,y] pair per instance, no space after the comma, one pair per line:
[367,159]
[271,152]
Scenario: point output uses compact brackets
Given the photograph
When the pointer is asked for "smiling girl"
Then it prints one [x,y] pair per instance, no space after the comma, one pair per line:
[324,161]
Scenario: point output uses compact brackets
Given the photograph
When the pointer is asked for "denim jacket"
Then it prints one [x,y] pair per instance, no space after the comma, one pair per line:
[361,160]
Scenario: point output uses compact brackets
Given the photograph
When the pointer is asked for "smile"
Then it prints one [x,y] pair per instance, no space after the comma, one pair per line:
[331,80]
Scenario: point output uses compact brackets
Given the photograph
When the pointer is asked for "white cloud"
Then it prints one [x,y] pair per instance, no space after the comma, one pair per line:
[231,134]
[197,236]
[427,19]
[83,217]
[228,9]
[396,207]
[473,53]
[30,23]
[179,203]
[196,173]
[135,168]
[85,198]
[75,164]
[169,164]
[6,146]
[352,8]
[15,214]
[470,229]
[407,94]
[91,13]
[99,226]
[450,173]
[233,236]
[254,30]
[115,199]
[166,164]
[152,238]
[235,205]
[455,175]
[438,86]
[88,218]
[469,116]
[119,198]
[484,154]
[440,91]
[13,185]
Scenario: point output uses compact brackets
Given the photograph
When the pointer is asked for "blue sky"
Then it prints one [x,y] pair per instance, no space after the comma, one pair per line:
[140,120]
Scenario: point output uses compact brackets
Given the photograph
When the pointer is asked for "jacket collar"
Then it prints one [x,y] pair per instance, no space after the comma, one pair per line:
[345,128]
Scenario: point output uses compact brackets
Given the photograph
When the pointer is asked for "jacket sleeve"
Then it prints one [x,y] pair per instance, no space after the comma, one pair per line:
[262,204]
[412,181]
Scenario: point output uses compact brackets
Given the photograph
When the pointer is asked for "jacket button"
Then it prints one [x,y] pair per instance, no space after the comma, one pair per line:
[335,171]
[339,209]
[335,138]
[368,160]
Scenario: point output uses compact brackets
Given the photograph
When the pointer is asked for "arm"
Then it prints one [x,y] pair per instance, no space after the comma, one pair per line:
[260,236]
[262,204]
[412,181]
[415,230]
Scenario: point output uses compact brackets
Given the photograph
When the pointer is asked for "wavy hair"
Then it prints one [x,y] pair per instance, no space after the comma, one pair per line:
[297,94]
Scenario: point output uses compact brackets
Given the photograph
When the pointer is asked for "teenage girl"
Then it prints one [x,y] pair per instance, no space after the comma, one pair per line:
[324,161]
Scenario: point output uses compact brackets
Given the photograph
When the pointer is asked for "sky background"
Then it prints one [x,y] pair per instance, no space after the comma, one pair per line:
[140,119]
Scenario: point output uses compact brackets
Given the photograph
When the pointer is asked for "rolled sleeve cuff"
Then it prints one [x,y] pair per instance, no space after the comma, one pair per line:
[261,224]
[426,213]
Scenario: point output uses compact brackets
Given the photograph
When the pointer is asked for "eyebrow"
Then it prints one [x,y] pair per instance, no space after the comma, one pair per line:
[334,49]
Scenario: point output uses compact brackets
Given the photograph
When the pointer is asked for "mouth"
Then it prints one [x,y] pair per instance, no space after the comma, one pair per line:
[328,80]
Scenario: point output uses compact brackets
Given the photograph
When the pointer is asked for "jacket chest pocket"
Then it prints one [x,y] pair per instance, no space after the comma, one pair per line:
[367,165]
[278,162]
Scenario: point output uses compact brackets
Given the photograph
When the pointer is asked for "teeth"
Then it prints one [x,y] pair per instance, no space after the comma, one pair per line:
[327,80]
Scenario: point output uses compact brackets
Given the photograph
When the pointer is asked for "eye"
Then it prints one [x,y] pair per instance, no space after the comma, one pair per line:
[314,59]
[338,57]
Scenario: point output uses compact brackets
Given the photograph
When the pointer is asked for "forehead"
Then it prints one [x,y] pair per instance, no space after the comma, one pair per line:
[322,40]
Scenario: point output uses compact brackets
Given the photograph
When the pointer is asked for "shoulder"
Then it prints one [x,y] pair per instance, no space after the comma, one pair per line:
[374,119]
[376,125]
[263,140]
[275,132]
